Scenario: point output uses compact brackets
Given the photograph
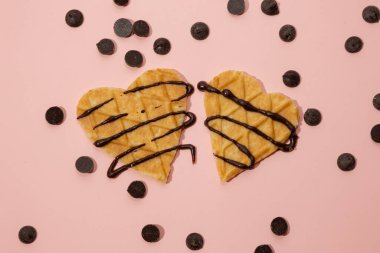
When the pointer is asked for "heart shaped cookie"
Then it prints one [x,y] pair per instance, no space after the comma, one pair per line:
[246,124]
[140,126]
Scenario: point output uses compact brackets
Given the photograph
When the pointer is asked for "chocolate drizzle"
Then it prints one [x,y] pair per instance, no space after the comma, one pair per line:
[185,124]
[286,147]
[112,172]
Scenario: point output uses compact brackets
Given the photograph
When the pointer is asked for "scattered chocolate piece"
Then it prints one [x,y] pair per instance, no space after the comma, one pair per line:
[291,78]
[375,133]
[200,31]
[123,27]
[134,59]
[54,115]
[279,226]
[162,46]
[194,241]
[141,28]
[353,44]
[265,248]
[121,2]
[376,101]
[85,164]
[27,234]
[106,46]
[270,7]
[74,18]
[151,233]
[312,117]
[288,33]
[346,162]
[236,7]
[137,189]
[371,14]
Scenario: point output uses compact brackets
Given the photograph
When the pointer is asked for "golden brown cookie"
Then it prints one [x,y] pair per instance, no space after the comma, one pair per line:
[247,124]
[142,122]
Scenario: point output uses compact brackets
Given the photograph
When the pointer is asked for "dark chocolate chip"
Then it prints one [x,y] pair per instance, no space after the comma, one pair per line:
[376,101]
[291,78]
[162,46]
[346,162]
[265,248]
[194,241]
[236,7]
[27,234]
[106,46]
[141,28]
[54,115]
[312,117]
[134,59]
[121,2]
[74,18]
[371,14]
[375,133]
[279,226]
[200,31]
[353,44]
[270,7]
[137,189]
[85,164]
[123,27]
[150,233]
[288,33]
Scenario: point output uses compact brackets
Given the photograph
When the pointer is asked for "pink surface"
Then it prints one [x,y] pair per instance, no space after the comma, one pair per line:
[44,63]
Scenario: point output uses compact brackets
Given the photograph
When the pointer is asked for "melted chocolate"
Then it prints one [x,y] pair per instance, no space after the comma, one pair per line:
[112,172]
[203,86]
[189,88]
[185,124]
[111,119]
[92,109]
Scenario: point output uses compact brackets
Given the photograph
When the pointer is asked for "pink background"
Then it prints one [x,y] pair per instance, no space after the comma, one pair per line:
[44,63]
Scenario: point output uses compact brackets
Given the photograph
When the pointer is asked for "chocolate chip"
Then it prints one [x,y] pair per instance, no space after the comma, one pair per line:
[288,33]
[162,46]
[194,241]
[54,115]
[376,101]
[137,189]
[371,14]
[353,44]
[265,248]
[141,28]
[150,233]
[291,78]
[270,7]
[74,18]
[106,46]
[121,2]
[236,7]
[279,226]
[346,162]
[375,133]
[85,164]
[123,27]
[200,31]
[134,59]
[312,117]
[27,234]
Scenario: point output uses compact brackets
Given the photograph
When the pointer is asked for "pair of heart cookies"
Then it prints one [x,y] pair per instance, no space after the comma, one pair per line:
[141,126]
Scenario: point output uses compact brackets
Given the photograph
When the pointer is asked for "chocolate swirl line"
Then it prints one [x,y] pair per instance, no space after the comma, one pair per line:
[286,147]
[189,90]
[185,124]
[112,172]
[110,119]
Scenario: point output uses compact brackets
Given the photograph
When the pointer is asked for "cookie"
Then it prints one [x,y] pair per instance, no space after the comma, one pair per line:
[85,164]
[145,141]
[123,27]
[194,241]
[312,117]
[279,226]
[291,78]
[200,31]
[353,44]
[137,189]
[151,233]
[134,59]
[54,115]
[246,124]
[346,162]
[236,7]
[371,14]
[270,7]
[106,46]
[74,18]
[288,33]
[27,234]
[162,46]
[141,28]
